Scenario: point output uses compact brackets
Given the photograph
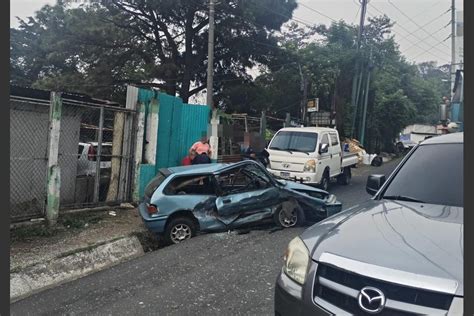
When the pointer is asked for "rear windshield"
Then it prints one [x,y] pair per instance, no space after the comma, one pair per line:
[433,174]
[154,184]
[294,141]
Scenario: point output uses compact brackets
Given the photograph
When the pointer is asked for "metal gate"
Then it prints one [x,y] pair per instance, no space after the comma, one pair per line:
[95,152]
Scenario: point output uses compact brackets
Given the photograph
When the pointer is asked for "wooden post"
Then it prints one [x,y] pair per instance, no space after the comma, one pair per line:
[54,171]
[119,121]
[124,182]
[138,152]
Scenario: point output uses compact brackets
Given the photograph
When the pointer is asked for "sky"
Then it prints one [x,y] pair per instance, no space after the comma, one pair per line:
[419,30]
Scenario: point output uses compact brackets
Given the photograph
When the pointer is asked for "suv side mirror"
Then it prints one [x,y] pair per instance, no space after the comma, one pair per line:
[323,148]
[374,183]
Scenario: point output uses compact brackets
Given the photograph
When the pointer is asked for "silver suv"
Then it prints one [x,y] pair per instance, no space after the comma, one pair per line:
[400,253]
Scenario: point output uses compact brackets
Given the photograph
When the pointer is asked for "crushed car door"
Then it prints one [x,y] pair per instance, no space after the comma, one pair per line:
[245,191]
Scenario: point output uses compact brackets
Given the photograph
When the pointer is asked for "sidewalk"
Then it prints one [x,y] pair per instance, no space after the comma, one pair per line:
[81,244]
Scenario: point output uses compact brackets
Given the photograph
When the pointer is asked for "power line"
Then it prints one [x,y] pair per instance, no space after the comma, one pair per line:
[416,37]
[424,11]
[357,14]
[431,47]
[431,21]
[436,32]
[318,12]
[409,18]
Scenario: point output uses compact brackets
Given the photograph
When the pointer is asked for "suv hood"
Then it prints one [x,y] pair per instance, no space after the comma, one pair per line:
[421,239]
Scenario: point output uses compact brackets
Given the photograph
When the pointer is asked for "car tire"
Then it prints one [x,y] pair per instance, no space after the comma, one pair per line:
[282,217]
[179,229]
[345,177]
[377,161]
[324,184]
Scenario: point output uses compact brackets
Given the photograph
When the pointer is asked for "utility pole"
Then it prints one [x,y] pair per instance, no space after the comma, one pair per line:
[304,90]
[356,82]
[453,46]
[213,137]
[366,98]
[305,99]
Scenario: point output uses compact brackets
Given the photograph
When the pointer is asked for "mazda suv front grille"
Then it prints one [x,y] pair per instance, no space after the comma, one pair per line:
[341,288]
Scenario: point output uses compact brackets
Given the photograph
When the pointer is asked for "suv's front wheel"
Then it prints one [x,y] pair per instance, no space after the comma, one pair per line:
[179,229]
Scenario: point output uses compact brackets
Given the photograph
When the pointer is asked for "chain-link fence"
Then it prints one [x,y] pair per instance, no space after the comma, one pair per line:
[29,122]
[94,154]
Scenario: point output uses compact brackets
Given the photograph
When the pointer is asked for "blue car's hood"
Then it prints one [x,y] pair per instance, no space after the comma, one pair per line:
[299,186]
[419,239]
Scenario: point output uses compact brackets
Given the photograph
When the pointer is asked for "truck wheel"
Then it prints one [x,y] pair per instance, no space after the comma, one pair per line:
[179,229]
[324,184]
[345,177]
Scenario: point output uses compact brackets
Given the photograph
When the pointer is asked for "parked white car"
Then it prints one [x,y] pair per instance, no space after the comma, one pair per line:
[87,158]
[312,155]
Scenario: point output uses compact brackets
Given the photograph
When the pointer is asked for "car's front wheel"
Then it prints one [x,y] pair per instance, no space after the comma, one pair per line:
[179,229]
[289,214]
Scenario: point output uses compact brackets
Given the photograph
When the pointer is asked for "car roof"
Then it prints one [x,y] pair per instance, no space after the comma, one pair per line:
[203,168]
[308,129]
[445,139]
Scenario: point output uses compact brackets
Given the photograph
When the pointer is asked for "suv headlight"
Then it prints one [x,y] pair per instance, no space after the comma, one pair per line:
[310,166]
[296,260]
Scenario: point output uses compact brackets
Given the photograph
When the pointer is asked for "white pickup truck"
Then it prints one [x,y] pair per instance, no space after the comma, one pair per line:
[312,155]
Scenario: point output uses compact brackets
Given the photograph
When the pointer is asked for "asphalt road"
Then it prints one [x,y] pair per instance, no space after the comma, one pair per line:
[211,274]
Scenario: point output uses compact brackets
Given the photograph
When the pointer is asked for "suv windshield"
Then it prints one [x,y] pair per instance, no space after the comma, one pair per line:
[294,141]
[432,174]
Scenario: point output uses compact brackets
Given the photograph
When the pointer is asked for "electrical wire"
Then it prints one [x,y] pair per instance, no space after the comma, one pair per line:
[413,21]
[408,40]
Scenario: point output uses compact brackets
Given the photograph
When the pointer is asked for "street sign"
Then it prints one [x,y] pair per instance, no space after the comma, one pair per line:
[313,105]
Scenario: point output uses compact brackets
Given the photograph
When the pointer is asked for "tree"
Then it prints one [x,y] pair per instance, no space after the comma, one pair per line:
[160,41]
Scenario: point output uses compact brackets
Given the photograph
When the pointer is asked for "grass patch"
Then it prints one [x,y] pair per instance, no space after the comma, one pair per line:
[80,220]
[28,232]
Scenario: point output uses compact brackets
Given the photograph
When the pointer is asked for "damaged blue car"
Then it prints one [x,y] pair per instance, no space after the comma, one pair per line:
[181,201]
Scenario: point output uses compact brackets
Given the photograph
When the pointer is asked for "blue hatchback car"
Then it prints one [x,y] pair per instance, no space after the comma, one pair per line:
[181,201]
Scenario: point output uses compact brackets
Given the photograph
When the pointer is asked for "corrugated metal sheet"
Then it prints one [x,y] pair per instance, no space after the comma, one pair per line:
[180,125]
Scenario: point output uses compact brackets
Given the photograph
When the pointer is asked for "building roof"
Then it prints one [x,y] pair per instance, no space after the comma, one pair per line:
[44,95]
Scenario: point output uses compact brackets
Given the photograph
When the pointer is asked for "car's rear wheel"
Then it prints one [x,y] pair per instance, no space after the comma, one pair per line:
[179,229]
[289,214]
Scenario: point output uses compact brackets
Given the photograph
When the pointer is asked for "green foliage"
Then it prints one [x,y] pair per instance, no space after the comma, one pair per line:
[97,49]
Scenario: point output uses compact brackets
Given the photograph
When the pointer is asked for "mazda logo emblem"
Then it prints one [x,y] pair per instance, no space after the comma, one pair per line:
[371,300]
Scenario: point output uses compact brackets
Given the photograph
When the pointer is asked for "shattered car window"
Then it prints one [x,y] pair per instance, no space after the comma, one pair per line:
[243,179]
[154,184]
[195,185]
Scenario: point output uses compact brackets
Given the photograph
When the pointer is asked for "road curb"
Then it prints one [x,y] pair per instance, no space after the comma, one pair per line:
[71,266]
